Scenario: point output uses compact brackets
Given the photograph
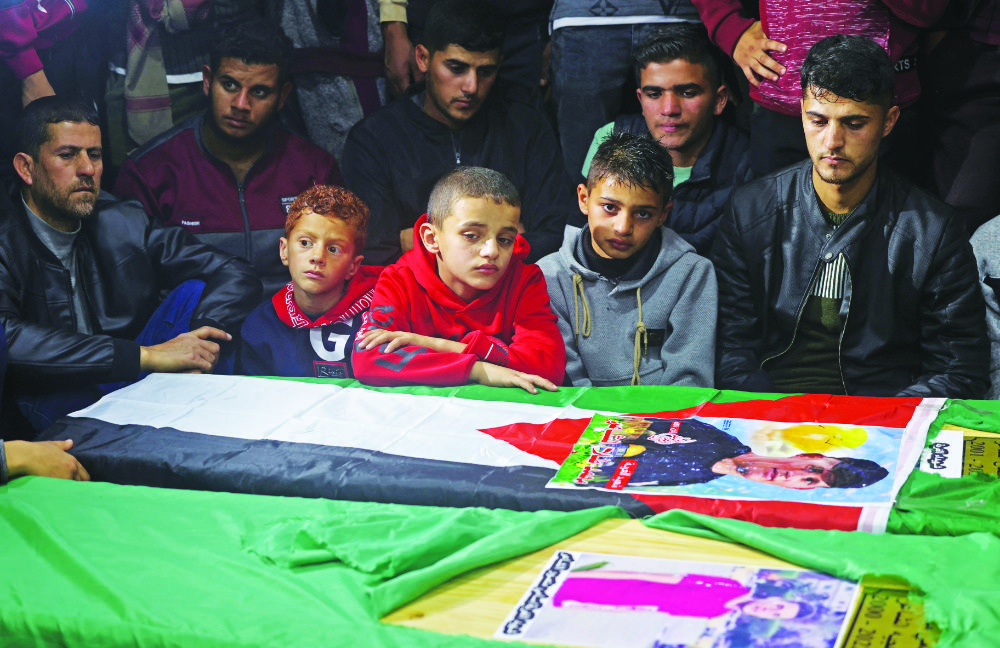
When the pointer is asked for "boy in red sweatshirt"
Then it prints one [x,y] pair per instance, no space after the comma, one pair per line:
[308,327]
[462,306]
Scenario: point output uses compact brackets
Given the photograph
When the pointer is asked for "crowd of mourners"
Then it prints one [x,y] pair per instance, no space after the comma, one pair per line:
[527,194]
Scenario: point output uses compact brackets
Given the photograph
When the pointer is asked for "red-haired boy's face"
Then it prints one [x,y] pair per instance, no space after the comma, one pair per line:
[320,256]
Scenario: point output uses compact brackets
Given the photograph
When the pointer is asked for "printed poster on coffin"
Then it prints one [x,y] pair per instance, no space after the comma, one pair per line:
[732,458]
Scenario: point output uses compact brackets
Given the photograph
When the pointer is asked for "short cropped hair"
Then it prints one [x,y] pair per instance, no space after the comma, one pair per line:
[853,67]
[469,182]
[633,160]
[471,24]
[33,127]
[684,40]
[853,473]
[254,41]
[331,202]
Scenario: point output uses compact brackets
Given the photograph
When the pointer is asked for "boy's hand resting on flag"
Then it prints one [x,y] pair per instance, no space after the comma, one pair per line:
[486,373]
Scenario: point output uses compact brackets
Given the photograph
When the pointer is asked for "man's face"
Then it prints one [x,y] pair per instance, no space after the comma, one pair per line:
[244,98]
[458,82]
[680,105]
[801,472]
[319,253]
[621,218]
[772,607]
[843,136]
[474,245]
[63,182]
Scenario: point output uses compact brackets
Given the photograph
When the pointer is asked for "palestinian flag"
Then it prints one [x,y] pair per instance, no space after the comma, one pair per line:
[467,446]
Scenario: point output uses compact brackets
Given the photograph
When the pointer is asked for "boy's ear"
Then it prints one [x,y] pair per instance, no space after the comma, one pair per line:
[283,250]
[428,236]
[666,211]
[581,195]
[355,266]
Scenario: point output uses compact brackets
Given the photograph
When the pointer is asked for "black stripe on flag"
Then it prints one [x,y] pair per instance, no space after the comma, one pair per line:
[171,458]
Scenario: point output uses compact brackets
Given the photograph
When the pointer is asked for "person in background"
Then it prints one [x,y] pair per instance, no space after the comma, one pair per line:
[593,47]
[961,109]
[836,276]
[47,47]
[525,43]
[394,157]
[683,96]
[82,276]
[157,51]
[229,175]
[768,40]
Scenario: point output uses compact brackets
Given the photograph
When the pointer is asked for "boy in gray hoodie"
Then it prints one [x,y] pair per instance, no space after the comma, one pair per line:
[635,304]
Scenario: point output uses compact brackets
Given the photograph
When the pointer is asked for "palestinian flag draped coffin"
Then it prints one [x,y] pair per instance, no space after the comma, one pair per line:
[444,447]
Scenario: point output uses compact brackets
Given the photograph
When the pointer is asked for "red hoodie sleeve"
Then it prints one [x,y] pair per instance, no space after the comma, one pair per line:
[536,346]
[409,365]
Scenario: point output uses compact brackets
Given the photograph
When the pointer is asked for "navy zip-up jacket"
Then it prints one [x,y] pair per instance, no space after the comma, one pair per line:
[723,165]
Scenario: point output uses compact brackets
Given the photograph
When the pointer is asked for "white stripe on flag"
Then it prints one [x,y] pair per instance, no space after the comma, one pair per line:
[326,414]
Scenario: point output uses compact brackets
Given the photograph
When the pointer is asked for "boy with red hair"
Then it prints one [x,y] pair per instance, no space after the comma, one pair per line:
[308,327]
